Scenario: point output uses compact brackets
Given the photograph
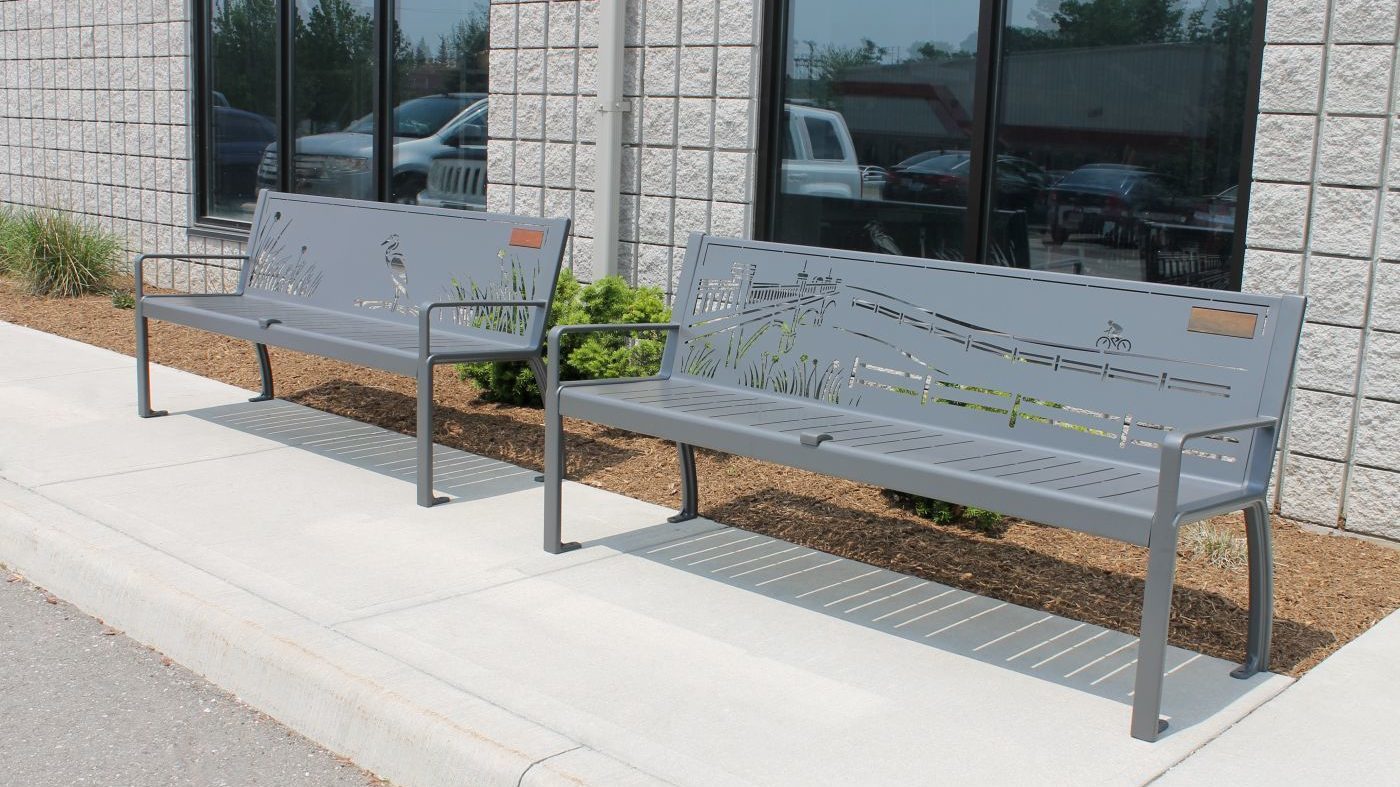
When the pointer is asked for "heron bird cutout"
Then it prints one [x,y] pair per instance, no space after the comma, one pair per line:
[398,274]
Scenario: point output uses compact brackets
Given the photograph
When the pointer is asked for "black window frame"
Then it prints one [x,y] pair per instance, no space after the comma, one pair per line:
[202,111]
[772,61]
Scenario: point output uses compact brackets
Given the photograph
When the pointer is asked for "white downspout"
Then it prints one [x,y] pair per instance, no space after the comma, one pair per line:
[612,23]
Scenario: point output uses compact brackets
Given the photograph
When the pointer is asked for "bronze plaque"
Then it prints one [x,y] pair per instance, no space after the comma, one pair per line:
[1222,322]
[530,239]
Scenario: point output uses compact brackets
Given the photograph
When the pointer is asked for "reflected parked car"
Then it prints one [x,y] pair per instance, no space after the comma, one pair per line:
[338,164]
[240,137]
[1112,201]
[1217,211]
[819,157]
[943,179]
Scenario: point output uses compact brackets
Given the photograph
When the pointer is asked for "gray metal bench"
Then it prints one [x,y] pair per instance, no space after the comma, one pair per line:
[1056,398]
[391,287]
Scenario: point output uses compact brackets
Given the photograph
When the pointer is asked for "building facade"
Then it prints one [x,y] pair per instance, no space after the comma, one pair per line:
[839,124]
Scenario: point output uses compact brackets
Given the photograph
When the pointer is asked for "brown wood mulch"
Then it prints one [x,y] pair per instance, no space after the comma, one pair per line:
[1329,588]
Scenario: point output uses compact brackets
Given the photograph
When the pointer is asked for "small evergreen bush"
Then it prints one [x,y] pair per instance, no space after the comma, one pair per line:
[943,513]
[53,254]
[586,356]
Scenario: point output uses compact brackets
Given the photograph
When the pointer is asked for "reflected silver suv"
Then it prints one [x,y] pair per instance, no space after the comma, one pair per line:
[338,164]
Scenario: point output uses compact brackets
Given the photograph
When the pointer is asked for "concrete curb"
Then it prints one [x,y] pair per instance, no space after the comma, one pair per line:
[394,721]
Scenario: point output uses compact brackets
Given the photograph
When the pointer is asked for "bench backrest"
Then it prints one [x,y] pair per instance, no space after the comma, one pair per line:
[383,260]
[1095,366]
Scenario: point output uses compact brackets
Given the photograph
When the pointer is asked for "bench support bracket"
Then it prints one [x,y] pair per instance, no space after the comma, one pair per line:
[1152,643]
[1261,591]
[553,460]
[143,367]
[265,369]
[426,498]
[690,489]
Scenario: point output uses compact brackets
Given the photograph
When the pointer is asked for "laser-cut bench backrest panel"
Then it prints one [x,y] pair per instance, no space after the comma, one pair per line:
[384,260]
[1084,364]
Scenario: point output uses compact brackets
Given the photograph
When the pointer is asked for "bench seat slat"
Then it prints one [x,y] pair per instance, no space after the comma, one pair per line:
[1112,500]
[362,340]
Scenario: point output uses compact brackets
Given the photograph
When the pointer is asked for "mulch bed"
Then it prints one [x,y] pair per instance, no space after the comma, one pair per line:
[1329,589]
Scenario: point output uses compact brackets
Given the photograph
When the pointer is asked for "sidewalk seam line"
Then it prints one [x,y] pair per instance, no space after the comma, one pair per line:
[525,772]
[134,470]
[62,374]
[1208,741]
[503,583]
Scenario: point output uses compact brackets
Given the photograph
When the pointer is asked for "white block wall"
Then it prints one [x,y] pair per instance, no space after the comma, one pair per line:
[1325,221]
[688,159]
[94,104]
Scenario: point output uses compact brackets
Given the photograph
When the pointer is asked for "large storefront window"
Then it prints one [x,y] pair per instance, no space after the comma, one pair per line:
[240,104]
[1106,136]
[376,100]
[876,125]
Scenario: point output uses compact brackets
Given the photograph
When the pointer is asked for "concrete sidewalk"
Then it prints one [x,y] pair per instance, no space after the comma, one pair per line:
[277,550]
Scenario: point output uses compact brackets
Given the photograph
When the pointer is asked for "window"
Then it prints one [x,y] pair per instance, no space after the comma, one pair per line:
[369,110]
[1087,136]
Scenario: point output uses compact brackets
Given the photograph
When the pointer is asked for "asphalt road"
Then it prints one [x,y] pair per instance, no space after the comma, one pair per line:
[81,704]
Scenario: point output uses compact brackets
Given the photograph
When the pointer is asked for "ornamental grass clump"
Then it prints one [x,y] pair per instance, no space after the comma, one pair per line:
[1215,545]
[8,222]
[55,255]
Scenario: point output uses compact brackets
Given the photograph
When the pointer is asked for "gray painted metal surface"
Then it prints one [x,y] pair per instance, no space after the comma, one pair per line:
[393,287]
[1061,399]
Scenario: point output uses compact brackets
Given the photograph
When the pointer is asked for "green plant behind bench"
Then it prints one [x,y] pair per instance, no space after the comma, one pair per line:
[586,356]
[53,254]
[983,521]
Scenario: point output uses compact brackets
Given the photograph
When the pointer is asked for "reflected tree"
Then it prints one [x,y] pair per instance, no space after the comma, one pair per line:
[243,53]
[334,51]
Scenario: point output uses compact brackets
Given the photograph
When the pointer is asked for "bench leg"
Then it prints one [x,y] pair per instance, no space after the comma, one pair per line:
[143,368]
[1152,642]
[553,474]
[1261,591]
[690,489]
[425,438]
[265,369]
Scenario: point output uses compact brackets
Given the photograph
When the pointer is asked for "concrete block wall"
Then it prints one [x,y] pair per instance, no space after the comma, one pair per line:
[94,104]
[688,159]
[1325,221]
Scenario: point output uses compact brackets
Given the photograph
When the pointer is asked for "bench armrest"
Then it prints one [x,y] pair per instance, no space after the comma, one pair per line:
[1174,446]
[425,312]
[141,260]
[557,332]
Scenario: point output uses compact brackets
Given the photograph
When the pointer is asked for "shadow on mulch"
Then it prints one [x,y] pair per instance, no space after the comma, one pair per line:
[479,430]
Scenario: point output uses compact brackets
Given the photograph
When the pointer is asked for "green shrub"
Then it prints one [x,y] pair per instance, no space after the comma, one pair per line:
[585,356]
[122,299]
[943,513]
[55,255]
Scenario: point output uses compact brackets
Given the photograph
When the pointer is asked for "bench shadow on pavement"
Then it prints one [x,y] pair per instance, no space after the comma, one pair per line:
[462,475]
[1081,656]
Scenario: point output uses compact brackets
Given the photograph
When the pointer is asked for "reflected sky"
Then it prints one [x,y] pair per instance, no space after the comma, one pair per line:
[902,24]
[899,23]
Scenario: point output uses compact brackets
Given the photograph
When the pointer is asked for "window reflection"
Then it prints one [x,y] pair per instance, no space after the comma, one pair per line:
[1133,109]
[867,98]
[440,55]
[333,66]
[241,103]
